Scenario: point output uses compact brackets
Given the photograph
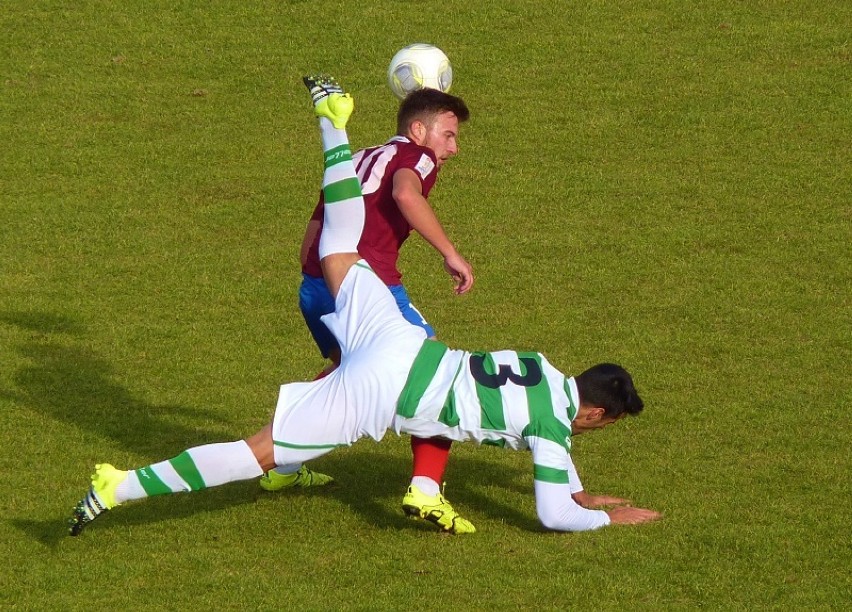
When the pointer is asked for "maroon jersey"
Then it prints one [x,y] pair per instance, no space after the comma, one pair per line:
[385,229]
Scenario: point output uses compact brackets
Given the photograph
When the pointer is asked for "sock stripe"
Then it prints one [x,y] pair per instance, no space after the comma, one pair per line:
[187,470]
[306,446]
[151,483]
[338,155]
[346,189]
[338,173]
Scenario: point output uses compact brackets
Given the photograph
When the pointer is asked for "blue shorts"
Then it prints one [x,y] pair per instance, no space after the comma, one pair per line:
[315,300]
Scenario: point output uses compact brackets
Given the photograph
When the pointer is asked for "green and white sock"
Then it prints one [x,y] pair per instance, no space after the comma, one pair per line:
[343,221]
[194,469]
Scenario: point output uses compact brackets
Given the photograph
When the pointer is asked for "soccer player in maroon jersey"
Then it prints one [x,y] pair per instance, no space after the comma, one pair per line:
[396,179]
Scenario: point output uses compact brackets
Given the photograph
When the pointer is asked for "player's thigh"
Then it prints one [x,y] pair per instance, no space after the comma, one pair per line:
[312,419]
[315,300]
[367,318]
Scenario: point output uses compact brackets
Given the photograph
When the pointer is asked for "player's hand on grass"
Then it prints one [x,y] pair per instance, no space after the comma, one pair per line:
[627,515]
[461,271]
[596,501]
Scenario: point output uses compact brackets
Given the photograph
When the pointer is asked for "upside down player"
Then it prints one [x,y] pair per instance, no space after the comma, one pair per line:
[392,377]
[396,179]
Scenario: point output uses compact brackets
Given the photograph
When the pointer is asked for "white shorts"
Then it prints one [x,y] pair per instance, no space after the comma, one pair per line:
[359,398]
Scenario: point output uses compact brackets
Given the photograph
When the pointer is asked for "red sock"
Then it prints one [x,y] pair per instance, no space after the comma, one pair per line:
[430,457]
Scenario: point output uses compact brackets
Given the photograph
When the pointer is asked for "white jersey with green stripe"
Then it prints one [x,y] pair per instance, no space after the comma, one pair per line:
[507,398]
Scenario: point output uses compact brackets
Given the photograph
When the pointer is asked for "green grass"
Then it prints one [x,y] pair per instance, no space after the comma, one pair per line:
[663,184]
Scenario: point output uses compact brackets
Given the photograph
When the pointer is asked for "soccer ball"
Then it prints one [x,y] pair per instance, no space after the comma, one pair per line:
[418,66]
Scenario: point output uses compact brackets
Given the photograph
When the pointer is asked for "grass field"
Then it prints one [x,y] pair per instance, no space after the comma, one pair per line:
[659,183]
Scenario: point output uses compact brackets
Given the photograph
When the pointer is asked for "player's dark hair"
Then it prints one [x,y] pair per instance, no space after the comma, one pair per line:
[425,104]
[609,386]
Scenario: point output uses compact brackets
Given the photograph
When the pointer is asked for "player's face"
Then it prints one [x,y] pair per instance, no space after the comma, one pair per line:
[589,420]
[442,135]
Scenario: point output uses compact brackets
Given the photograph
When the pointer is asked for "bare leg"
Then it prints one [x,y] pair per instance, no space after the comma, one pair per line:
[263,448]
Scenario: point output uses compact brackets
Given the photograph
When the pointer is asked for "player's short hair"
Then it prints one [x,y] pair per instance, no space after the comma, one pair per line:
[609,386]
[425,104]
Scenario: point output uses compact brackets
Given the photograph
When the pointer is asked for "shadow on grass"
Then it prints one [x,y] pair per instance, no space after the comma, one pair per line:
[51,533]
[67,381]
[369,481]
[372,482]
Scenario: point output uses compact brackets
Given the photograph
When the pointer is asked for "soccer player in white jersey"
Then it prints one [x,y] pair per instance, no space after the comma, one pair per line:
[392,377]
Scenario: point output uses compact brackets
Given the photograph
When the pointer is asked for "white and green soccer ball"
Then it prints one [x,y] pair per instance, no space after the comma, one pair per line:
[417,66]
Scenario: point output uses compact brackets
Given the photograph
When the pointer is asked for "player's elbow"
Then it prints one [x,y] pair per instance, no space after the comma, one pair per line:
[551,521]
[557,511]
[407,201]
[571,517]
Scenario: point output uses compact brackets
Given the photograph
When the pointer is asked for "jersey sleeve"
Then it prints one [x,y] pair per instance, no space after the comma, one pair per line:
[550,443]
[573,477]
[424,164]
[555,479]
[558,511]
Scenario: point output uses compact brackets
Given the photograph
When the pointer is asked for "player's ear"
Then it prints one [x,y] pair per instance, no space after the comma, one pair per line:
[596,413]
[417,129]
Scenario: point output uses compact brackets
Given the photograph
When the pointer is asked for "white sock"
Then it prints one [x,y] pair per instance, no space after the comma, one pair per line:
[331,136]
[426,485]
[194,469]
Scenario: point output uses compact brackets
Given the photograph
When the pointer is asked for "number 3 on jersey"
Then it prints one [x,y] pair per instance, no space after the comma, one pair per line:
[503,373]
[490,375]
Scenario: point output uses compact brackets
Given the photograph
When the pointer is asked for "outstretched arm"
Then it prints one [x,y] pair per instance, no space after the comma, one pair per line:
[408,194]
[557,487]
[558,511]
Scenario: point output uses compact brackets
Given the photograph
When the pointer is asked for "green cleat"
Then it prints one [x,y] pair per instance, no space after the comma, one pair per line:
[99,499]
[435,509]
[304,477]
[330,101]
